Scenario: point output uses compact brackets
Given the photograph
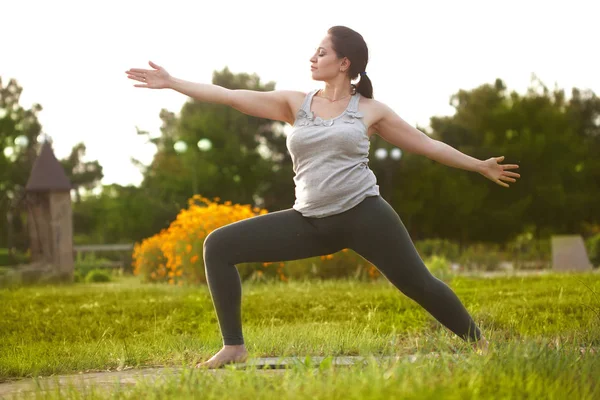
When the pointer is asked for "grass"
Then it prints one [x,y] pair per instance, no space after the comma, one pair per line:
[538,325]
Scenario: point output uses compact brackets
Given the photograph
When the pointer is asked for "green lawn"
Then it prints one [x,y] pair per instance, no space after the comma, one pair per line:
[538,326]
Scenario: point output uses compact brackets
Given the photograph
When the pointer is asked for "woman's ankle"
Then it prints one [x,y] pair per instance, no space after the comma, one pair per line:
[235,346]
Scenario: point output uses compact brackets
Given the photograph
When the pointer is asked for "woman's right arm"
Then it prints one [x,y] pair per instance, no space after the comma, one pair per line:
[275,105]
[279,105]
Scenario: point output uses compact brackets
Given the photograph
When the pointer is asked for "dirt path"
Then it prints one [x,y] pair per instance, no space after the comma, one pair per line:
[126,379]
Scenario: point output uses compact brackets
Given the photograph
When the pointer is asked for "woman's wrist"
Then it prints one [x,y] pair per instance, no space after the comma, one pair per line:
[172,82]
[479,166]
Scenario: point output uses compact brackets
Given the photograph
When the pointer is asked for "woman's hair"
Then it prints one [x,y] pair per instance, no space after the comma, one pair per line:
[350,44]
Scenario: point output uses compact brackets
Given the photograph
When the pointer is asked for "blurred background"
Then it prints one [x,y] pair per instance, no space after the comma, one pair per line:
[511,78]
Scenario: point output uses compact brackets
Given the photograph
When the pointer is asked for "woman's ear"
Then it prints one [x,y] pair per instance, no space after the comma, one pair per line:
[345,65]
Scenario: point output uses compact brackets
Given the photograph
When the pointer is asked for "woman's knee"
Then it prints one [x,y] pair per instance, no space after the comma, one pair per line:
[214,243]
[418,285]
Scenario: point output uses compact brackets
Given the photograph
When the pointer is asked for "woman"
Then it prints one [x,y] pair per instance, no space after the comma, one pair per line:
[337,199]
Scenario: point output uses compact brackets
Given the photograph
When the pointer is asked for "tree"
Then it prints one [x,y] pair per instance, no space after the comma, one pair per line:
[85,175]
[19,133]
[19,130]
[248,162]
[552,139]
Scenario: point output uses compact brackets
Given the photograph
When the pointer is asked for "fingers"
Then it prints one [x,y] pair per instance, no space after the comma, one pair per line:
[144,86]
[510,166]
[136,78]
[138,74]
[507,179]
[502,183]
[153,65]
[139,70]
[512,174]
[499,158]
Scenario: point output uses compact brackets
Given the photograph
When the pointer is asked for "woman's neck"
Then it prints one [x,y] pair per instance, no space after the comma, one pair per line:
[335,91]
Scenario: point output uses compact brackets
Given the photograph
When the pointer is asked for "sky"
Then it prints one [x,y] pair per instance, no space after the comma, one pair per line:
[71,56]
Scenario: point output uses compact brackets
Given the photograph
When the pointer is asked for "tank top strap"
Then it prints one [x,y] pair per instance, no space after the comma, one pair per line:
[308,100]
[353,105]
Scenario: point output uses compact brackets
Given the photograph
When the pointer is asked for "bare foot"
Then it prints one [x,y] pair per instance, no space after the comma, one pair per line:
[481,347]
[227,355]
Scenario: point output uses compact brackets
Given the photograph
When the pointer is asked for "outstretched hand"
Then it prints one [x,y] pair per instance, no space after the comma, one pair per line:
[498,172]
[157,78]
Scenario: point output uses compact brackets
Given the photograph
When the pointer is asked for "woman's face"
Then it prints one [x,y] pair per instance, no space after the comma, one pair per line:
[324,63]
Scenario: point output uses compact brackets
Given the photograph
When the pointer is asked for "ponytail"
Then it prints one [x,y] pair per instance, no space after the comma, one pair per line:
[364,86]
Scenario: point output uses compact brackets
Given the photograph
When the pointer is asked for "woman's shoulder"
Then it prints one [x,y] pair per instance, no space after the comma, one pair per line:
[371,102]
[293,94]
[372,106]
[295,98]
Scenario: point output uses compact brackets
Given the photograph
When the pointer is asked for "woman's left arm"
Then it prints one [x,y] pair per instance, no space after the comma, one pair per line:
[396,131]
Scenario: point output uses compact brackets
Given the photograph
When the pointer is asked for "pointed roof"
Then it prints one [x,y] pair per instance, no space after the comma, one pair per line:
[47,174]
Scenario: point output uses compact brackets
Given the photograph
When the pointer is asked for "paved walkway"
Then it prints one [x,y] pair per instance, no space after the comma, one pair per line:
[109,381]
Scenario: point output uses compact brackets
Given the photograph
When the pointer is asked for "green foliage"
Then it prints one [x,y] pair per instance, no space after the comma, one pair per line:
[97,275]
[554,140]
[81,174]
[593,249]
[553,137]
[438,247]
[78,276]
[16,258]
[87,262]
[5,276]
[19,133]
[481,257]
[120,214]
[527,252]
[439,267]
[19,130]
[248,158]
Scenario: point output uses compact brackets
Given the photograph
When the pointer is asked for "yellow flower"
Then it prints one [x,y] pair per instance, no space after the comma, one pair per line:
[163,254]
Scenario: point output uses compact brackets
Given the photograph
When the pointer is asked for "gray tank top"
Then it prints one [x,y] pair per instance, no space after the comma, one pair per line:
[330,160]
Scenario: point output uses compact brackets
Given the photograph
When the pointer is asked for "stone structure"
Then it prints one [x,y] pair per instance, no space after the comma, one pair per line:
[50,216]
[569,254]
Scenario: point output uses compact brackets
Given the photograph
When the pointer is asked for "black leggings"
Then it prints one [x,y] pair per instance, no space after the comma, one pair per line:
[372,229]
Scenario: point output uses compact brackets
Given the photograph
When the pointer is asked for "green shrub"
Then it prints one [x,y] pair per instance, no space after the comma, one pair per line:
[592,245]
[438,247]
[16,258]
[78,276]
[527,252]
[6,277]
[481,257]
[97,275]
[86,262]
[439,267]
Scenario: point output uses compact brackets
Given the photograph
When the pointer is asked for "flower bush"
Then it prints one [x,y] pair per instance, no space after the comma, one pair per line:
[174,255]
